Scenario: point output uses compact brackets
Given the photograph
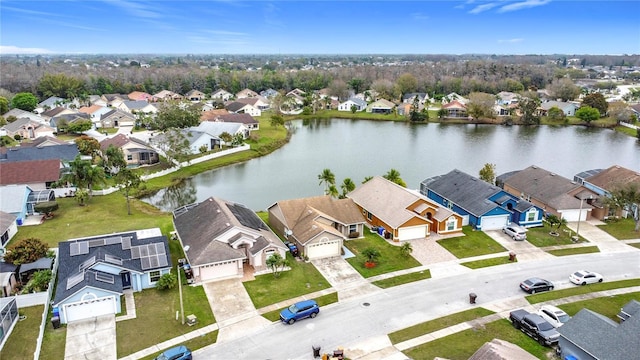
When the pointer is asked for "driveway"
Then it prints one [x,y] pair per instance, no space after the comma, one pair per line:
[599,237]
[524,250]
[92,339]
[343,277]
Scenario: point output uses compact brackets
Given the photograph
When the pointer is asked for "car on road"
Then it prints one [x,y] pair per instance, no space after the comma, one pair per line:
[176,353]
[553,315]
[584,277]
[515,232]
[535,284]
[300,310]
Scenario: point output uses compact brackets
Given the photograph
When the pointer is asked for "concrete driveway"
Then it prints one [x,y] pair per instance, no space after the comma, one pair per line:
[343,277]
[92,339]
[524,250]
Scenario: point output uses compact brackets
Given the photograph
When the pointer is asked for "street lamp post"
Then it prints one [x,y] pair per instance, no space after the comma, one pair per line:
[580,217]
[180,290]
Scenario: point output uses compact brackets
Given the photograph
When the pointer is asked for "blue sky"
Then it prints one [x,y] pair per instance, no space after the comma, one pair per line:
[320,27]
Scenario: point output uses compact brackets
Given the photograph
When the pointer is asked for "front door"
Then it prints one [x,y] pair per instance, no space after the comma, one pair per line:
[126,280]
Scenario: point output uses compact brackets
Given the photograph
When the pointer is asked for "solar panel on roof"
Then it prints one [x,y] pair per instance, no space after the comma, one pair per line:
[144,263]
[75,280]
[112,259]
[151,249]
[153,261]
[160,249]
[135,252]
[246,217]
[74,249]
[162,260]
[84,247]
[96,243]
[144,251]
[113,240]
[126,243]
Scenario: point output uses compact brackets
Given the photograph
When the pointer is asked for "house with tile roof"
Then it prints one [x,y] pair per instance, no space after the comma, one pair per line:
[95,113]
[603,181]
[360,105]
[26,128]
[455,109]
[551,192]
[246,93]
[139,96]
[166,95]
[38,174]
[135,151]
[482,205]
[219,237]
[94,272]
[212,115]
[319,225]
[401,213]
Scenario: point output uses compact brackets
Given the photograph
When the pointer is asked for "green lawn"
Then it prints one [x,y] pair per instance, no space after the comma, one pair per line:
[608,306]
[21,344]
[622,229]
[53,341]
[322,301]
[488,262]
[474,243]
[303,278]
[540,237]
[635,245]
[438,324]
[578,290]
[574,251]
[403,279]
[390,259]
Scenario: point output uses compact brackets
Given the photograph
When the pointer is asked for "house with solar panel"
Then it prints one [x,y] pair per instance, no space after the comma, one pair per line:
[223,240]
[95,271]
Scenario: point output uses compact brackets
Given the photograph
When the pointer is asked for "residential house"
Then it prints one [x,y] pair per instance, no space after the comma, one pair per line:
[26,128]
[19,113]
[482,205]
[8,229]
[43,141]
[207,134]
[454,97]
[199,141]
[212,115]
[95,271]
[359,104]
[166,95]
[258,102]
[8,279]
[244,119]
[381,106]
[97,100]
[114,100]
[219,237]
[455,109]
[194,95]
[602,182]
[632,308]
[551,192]
[269,93]
[38,174]
[65,153]
[246,93]
[317,225]
[13,201]
[222,95]
[139,106]
[409,98]
[507,98]
[242,108]
[95,113]
[135,151]
[402,214]
[56,112]
[8,317]
[635,109]
[297,95]
[140,96]
[50,103]
[592,336]
[60,122]
[497,349]
[117,118]
[569,109]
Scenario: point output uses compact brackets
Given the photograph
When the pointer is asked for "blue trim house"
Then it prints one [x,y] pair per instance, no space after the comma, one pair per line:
[482,205]
[95,271]
[13,200]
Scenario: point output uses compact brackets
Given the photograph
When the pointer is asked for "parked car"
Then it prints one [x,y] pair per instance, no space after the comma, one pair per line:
[584,277]
[534,326]
[177,353]
[299,310]
[534,285]
[515,232]
[554,316]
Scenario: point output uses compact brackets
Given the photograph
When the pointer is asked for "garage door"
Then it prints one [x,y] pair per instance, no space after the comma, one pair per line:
[90,308]
[493,222]
[324,249]
[414,232]
[218,271]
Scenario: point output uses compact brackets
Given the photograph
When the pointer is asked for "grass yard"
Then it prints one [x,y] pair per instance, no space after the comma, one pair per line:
[621,229]
[574,251]
[322,301]
[403,279]
[579,290]
[462,345]
[608,306]
[635,245]
[474,243]
[438,324]
[390,259]
[303,278]
[540,237]
[488,262]
[21,344]
[53,340]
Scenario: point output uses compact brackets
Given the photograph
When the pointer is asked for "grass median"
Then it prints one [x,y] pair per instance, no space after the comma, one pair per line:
[403,279]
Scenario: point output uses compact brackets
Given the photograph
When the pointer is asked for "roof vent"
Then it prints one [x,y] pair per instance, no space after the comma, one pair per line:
[552,174]
[228,224]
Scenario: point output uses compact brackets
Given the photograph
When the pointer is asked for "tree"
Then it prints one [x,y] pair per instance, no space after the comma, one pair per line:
[46,207]
[328,178]
[563,89]
[333,191]
[627,198]
[596,101]
[406,83]
[277,120]
[26,251]
[83,175]
[167,281]
[24,101]
[587,114]
[81,196]
[176,115]
[488,173]
[39,281]
[620,111]
[61,85]
[4,105]
[481,105]
[393,175]
[347,186]
[113,160]
[528,108]
[555,114]
[88,145]
[276,263]
[415,114]
[237,140]
[175,145]
[79,126]
[226,137]
[371,254]
[406,249]
[357,84]
[128,180]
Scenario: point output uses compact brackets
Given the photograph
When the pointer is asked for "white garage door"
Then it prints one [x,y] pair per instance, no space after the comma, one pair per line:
[218,271]
[324,249]
[414,232]
[493,222]
[90,308]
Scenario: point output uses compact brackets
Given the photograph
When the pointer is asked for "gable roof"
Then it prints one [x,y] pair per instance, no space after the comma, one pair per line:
[613,177]
[212,115]
[382,103]
[90,109]
[51,101]
[199,227]
[136,104]
[217,128]
[236,106]
[43,141]
[559,104]
[13,198]
[238,118]
[21,123]
[455,104]
[19,113]
[117,114]
[6,220]
[139,95]
[357,101]
[25,172]
[63,152]
[119,140]
[601,337]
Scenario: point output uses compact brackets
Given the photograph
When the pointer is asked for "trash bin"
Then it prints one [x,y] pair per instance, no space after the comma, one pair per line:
[512,256]
[55,321]
[472,298]
[316,351]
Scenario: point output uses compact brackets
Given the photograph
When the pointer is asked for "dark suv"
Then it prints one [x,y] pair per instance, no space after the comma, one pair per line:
[299,310]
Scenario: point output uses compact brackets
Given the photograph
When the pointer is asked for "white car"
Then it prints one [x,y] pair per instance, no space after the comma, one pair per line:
[554,316]
[584,277]
[515,232]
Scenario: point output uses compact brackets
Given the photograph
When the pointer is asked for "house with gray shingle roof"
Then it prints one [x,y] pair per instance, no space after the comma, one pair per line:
[38,174]
[241,107]
[569,109]
[317,225]
[244,119]
[8,229]
[603,181]
[26,128]
[19,113]
[64,153]
[360,105]
[138,106]
[50,103]
[94,272]
[135,151]
[117,118]
[482,205]
[219,236]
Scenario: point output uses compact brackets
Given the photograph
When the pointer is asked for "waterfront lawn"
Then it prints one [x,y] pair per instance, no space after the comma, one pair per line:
[579,290]
[621,229]
[574,251]
[474,243]
[21,344]
[390,259]
[540,237]
[403,279]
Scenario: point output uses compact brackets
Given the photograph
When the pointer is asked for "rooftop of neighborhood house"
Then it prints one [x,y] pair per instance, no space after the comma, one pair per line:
[243,118]
[64,152]
[613,177]
[120,140]
[26,172]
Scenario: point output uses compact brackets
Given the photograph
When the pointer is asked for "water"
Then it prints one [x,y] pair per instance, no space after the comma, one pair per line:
[361,148]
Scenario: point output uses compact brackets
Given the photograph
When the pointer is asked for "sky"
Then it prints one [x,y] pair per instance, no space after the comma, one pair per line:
[511,27]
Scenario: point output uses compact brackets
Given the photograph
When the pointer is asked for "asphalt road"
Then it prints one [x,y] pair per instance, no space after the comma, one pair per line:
[353,321]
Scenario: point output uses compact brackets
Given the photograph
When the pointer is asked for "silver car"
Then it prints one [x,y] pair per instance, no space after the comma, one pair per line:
[515,232]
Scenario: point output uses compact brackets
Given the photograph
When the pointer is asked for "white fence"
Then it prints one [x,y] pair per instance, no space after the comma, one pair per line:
[629,125]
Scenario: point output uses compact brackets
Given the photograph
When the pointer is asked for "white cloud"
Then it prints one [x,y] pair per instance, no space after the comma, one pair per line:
[10,49]
[419,16]
[484,7]
[136,8]
[523,5]
[511,41]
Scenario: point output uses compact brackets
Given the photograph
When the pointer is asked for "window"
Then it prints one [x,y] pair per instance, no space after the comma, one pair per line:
[129,157]
[531,215]
[154,276]
[369,216]
[353,228]
[451,224]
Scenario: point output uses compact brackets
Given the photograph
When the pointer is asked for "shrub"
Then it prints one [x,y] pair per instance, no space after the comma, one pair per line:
[166,282]
[26,251]
[354,235]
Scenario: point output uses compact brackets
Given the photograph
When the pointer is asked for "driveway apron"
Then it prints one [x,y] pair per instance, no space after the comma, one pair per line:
[92,339]
[343,277]
[524,250]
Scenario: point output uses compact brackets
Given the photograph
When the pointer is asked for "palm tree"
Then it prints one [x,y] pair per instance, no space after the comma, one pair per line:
[347,186]
[328,178]
[393,175]
[406,249]
[333,191]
